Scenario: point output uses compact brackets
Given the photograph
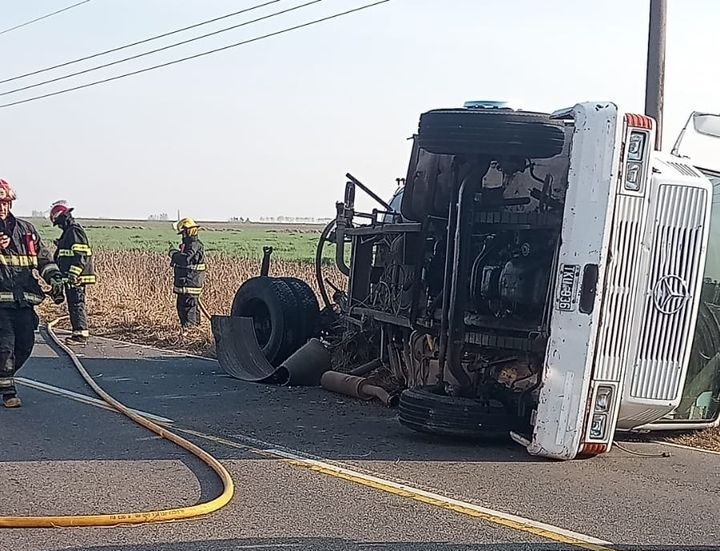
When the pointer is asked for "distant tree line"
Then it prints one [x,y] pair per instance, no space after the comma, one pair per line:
[293,219]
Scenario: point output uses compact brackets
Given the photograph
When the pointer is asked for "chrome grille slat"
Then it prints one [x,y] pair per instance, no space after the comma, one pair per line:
[620,290]
[676,249]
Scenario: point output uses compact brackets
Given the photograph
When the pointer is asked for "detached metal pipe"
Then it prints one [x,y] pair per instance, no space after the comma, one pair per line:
[357,387]
[390,400]
[342,383]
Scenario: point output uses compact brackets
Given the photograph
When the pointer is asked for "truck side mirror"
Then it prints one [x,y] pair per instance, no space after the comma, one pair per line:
[707,124]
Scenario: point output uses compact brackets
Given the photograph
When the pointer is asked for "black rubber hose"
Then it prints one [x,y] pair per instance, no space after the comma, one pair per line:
[318,262]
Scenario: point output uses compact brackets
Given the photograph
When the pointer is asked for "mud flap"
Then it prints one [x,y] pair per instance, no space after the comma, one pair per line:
[239,354]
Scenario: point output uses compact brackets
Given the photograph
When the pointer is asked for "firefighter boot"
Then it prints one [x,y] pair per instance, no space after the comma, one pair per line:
[77,339]
[11,401]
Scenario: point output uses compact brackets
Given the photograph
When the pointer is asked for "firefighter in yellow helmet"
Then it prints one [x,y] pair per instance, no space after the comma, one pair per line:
[188,263]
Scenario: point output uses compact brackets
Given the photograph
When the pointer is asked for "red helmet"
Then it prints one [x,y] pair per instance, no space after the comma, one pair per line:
[7,194]
[57,210]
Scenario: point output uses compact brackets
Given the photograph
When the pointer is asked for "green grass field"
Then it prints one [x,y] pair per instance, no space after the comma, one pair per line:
[289,242]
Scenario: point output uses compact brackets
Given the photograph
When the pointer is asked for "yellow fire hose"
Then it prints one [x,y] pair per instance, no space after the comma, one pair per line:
[115,519]
[204,310]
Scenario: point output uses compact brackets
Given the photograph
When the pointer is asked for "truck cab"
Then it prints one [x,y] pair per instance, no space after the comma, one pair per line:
[539,276]
[523,280]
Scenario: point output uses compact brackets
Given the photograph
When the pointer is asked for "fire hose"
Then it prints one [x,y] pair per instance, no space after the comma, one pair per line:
[204,310]
[115,519]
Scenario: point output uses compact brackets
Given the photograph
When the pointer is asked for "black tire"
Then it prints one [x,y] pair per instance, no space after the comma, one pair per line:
[498,134]
[428,410]
[272,305]
[308,308]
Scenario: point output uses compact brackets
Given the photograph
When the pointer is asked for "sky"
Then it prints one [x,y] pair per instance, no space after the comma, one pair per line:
[270,128]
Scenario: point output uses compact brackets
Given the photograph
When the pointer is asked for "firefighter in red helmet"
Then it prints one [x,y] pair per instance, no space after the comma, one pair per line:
[74,258]
[21,252]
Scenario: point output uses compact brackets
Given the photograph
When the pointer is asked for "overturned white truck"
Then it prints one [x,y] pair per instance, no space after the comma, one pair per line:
[539,276]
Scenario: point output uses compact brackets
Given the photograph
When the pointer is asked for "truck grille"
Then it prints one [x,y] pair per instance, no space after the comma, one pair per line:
[620,289]
[675,268]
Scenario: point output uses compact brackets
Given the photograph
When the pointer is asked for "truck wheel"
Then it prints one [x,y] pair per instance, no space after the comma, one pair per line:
[308,308]
[429,410]
[490,133]
[272,305]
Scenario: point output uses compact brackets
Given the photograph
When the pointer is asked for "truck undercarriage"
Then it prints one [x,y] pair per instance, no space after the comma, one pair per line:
[452,293]
[478,294]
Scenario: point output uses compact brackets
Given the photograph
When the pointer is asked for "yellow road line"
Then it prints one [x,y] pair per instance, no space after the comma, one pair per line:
[506,520]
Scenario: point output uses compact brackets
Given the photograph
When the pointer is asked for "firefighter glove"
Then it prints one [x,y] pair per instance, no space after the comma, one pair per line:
[57,288]
[73,280]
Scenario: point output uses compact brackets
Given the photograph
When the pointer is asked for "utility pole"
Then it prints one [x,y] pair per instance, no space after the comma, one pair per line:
[655,76]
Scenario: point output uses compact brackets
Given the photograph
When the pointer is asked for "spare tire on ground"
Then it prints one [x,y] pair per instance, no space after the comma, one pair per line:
[275,313]
[308,308]
[485,132]
[429,410]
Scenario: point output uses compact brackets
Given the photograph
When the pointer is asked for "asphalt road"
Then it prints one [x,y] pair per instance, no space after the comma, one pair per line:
[60,456]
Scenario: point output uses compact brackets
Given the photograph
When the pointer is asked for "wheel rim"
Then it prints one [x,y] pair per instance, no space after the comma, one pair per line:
[262,322]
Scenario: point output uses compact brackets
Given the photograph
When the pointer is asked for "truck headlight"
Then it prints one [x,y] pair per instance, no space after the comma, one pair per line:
[633,174]
[598,427]
[636,146]
[603,399]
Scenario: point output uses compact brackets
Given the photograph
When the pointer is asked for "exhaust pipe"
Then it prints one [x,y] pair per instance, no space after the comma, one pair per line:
[390,400]
[357,387]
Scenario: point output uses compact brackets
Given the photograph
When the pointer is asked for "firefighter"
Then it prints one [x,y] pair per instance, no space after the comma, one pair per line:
[188,263]
[74,258]
[21,252]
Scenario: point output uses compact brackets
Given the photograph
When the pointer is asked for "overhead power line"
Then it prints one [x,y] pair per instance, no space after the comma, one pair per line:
[157,50]
[21,25]
[195,56]
[144,41]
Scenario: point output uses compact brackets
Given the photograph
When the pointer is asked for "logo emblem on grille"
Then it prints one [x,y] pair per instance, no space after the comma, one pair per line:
[670,294]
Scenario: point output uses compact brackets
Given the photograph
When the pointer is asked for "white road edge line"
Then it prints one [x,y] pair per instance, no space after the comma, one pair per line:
[155,348]
[684,447]
[85,399]
[301,459]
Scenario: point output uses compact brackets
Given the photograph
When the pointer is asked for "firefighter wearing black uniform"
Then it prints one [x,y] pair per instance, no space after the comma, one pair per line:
[21,252]
[74,258]
[188,263]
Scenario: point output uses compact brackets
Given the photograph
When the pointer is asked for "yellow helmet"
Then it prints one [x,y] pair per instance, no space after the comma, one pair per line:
[185,224]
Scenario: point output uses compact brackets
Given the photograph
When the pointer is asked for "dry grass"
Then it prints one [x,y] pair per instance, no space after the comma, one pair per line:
[708,439]
[133,298]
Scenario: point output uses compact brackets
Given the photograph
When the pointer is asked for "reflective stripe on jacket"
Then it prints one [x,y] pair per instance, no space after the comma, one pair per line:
[195,291]
[25,253]
[189,267]
[74,255]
